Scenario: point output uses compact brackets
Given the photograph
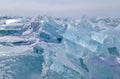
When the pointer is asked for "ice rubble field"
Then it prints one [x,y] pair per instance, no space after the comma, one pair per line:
[45,47]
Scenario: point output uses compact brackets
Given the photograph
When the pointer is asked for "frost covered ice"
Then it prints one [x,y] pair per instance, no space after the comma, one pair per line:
[45,47]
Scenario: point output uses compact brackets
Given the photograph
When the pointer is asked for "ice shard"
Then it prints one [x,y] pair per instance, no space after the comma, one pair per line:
[44,47]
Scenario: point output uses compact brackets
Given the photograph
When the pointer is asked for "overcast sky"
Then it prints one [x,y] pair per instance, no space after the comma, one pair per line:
[60,7]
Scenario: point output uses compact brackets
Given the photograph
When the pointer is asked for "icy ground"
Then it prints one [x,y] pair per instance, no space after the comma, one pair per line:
[46,47]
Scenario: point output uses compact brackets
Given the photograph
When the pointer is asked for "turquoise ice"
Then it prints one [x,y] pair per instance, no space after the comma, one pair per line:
[46,47]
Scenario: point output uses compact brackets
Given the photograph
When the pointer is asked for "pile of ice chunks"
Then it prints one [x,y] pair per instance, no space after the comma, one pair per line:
[45,47]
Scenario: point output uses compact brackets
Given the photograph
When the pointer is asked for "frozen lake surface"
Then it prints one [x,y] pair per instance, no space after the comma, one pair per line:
[46,47]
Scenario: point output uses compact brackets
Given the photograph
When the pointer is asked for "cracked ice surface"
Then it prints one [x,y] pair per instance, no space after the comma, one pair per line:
[46,47]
